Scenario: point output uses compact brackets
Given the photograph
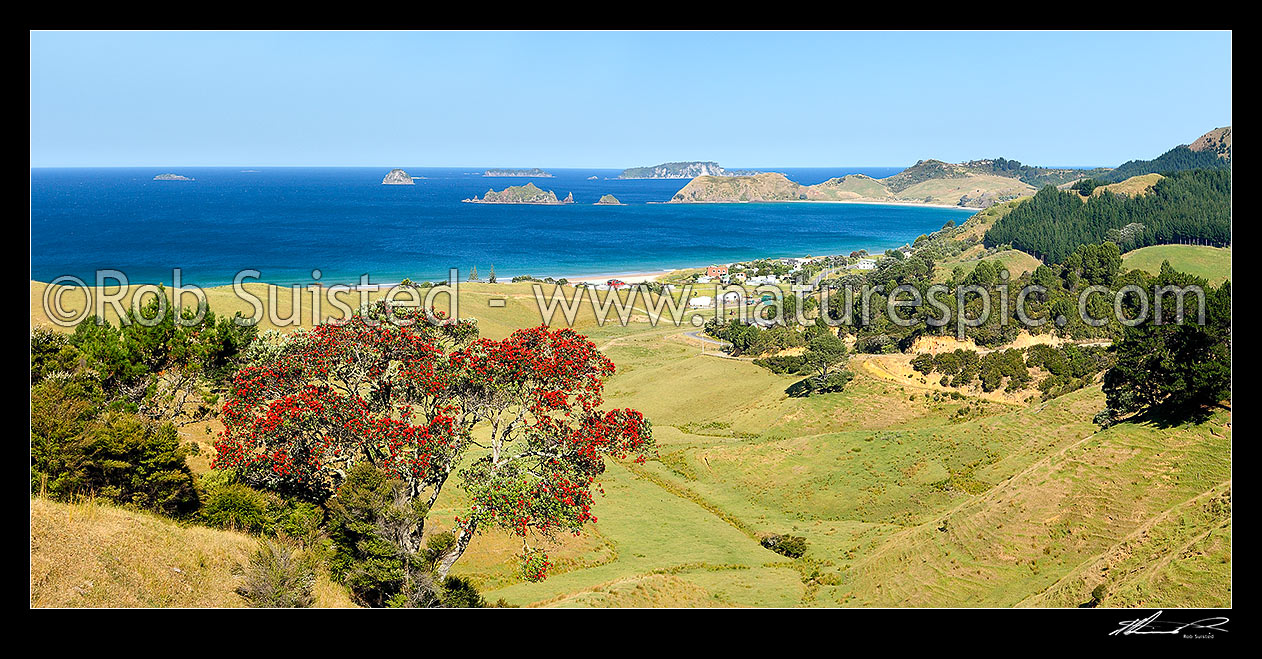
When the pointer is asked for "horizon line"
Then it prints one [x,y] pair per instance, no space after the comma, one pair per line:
[766,169]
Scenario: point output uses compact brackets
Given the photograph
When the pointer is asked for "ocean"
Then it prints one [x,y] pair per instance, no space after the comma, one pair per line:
[287,222]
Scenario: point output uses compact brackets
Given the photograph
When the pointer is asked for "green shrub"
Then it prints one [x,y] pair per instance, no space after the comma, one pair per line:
[459,593]
[1071,367]
[784,365]
[793,546]
[377,551]
[52,354]
[810,386]
[278,575]
[371,523]
[236,507]
[119,457]
[227,504]
[876,344]
[1097,594]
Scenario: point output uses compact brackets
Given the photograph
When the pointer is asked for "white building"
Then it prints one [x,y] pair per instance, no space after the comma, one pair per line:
[865,264]
[701,301]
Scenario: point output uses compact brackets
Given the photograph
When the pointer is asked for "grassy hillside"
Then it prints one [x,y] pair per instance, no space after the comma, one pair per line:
[1035,176]
[1015,261]
[1217,141]
[974,190]
[1183,554]
[931,182]
[854,186]
[94,555]
[1212,263]
[854,473]
[1066,511]
[760,187]
[922,171]
[518,311]
[868,476]
[977,224]
[1135,185]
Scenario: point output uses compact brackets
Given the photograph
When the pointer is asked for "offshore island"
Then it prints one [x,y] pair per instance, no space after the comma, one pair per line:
[521,194]
[691,169]
[397,177]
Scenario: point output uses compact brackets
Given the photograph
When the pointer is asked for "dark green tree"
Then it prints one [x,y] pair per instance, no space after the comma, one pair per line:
[1176,367]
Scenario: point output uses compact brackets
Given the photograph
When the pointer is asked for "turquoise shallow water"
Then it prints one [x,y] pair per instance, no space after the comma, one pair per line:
[286,222]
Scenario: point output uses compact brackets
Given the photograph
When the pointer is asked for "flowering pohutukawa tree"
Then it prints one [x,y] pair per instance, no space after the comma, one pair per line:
[539,392]
[414,401]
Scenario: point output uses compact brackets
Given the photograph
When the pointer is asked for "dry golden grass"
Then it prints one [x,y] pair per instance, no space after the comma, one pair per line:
[93,555]
[897,368]
[975,226]
[499,309]
[951,190]
[1014,261]
[1131,187]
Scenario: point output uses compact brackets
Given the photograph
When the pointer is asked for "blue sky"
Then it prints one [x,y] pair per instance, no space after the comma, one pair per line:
[613,99]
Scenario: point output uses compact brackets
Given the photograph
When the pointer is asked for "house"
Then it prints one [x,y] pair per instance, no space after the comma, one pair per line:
[704,279]
[716,271]
[762,279]
[865,264]
[731,296]
[701,301]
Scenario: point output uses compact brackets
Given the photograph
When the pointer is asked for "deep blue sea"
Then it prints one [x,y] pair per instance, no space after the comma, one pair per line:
[286,222]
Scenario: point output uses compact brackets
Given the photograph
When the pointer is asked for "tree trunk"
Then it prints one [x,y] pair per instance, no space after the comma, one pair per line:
[411,540]
[462,542]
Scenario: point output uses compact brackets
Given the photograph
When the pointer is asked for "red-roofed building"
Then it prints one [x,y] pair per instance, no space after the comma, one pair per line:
[716,271]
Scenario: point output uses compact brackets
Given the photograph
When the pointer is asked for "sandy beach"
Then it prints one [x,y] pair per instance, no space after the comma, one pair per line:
[632,278]
[870,202]
[920,204]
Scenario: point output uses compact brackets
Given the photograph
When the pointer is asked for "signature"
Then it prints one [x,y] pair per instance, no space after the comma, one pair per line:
[1151,625]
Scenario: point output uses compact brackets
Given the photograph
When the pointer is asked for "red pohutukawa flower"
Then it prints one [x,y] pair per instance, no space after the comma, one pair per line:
[415,399]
